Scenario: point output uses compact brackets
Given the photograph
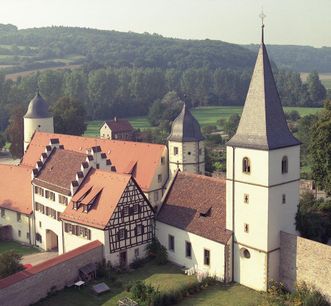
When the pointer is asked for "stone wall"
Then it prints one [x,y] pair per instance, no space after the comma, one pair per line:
[304,260]
[29,286]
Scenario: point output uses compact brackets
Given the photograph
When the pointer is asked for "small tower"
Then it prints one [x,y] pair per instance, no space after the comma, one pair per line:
[185,144]
[37,118]
[262,180]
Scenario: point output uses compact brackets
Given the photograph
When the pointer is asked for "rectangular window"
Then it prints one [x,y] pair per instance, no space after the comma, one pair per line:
[162,160]
[206,257]
[136,252]
[171,243]
[139,229]
[175,150]
[39,191]
[246,228]
[50,195]
[3,213]
[28,236]
[159,178]
[40,224]
[284,199]
[156,196]
[19,217]
[121,234]
[19,233]
[63,199]
[246,198]
[125,211]
[136,208]
[188,249]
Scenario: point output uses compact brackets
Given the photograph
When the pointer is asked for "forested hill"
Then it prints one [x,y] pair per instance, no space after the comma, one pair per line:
[299,58]
[119,49]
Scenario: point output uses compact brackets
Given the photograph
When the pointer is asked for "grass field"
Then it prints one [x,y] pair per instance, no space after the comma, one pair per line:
[208,115]
[166,278]
[17,247]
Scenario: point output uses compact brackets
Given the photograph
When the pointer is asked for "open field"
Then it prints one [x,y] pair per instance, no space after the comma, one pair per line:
[166,278]
[208,115]
[17,247]
[14,76]
[324,77]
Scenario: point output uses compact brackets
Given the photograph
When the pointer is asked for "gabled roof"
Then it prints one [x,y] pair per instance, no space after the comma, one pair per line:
[196,203]
[106,189]
[38,108]
[185,127]
[15,188]
[60,170]
[119,125]
[263,125]
[121,153]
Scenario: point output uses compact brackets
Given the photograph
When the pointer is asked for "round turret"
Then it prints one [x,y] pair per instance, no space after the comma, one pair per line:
[37,118]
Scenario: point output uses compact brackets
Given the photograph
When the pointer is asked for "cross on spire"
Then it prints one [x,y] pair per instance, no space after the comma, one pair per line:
[262,16]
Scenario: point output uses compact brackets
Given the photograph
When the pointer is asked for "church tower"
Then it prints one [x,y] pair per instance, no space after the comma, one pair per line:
[37,118]
[186,145]
[262,181]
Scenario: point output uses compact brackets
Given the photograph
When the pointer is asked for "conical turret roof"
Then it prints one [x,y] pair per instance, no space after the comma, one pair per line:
[263,125]
[185,127]
[38,108]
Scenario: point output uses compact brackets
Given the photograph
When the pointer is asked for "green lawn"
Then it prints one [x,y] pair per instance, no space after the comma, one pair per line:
[17,247]
[218,295]
[165,278]
[208,115]
[326,83]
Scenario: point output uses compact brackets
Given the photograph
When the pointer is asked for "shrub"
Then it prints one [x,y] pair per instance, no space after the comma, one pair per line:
[137,263]
[156,250]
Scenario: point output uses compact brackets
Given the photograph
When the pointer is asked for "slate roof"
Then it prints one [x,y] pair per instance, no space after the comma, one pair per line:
[196,203]
[185,127]
[60,170]
[107,188]
[121,153]
[119,125]
[263,125]
[38,108]
[15,188]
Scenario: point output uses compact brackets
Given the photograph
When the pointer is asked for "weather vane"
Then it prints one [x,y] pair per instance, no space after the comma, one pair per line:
[262,16]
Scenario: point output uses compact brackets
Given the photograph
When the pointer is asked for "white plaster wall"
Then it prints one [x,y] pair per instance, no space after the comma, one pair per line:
[47,222]
[10,218]
[72,242]
[250,272]
[255,214]
[282,216]
[275,165]
[39,124]
[155,184]
[198,243]
[188,157]
[114,258]
[105,132]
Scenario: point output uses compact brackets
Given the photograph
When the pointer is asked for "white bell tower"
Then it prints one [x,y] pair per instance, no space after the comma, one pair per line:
[186,145]
[37,118]
[262,187]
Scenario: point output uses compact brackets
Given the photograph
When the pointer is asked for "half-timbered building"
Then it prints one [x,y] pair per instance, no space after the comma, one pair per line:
[111,208]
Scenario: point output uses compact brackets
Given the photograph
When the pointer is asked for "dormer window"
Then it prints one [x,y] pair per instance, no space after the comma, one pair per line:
[246,165]
[284,165]
[85,208]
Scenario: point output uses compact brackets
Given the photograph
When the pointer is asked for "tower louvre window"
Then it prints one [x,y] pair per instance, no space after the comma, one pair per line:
[246,165]
[246,198]
[246,228]
[175,150]
[284,199]
[284,165]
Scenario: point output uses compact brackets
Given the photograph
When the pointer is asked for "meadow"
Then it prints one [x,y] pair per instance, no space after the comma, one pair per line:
[208,115]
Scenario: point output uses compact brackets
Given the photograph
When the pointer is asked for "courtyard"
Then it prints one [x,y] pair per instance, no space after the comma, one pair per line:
[166,278]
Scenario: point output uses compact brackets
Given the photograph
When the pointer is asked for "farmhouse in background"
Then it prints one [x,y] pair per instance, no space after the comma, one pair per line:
[117,129]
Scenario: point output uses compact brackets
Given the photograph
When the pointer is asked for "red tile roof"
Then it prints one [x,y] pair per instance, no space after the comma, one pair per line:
[60,170]
[121,153]
[196,204]
[119,125]
[108,187]
[15,188]
[12,279]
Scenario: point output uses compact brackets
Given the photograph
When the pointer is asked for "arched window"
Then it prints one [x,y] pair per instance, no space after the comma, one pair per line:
[284,164]
[245,253]
[246,165]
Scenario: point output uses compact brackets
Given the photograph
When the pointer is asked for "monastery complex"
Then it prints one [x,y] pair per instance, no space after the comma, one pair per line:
[68,191]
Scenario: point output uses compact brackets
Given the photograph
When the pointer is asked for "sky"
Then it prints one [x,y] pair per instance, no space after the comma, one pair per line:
[295,22]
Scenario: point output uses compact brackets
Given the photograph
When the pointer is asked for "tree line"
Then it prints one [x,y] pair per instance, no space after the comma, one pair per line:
[124,92]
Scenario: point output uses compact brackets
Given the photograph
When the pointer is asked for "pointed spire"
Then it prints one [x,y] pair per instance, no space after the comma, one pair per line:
[263,124]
